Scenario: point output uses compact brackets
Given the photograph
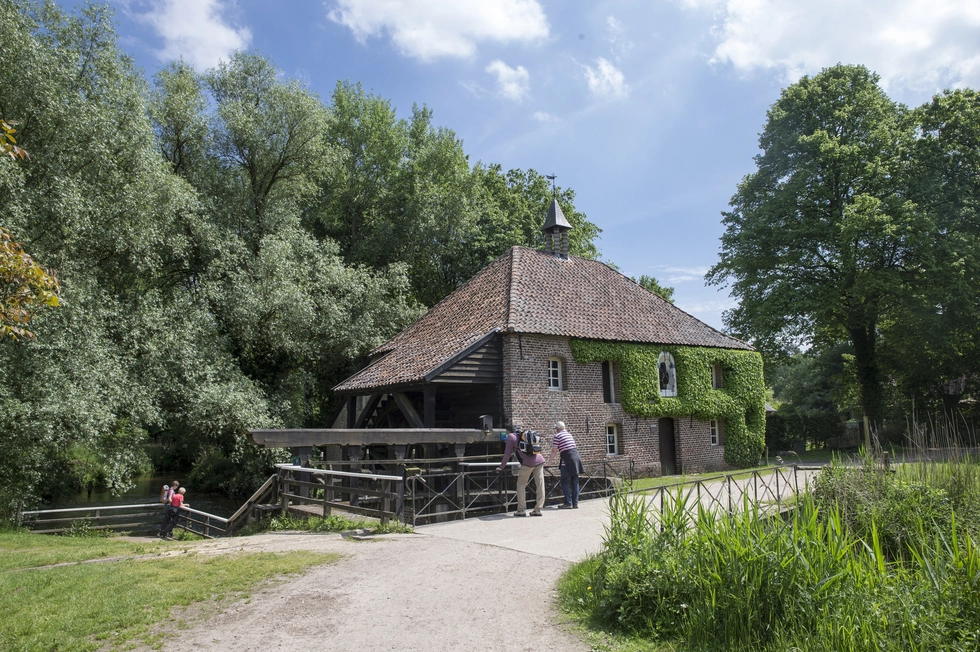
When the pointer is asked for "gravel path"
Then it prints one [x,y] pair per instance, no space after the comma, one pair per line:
[397,592]
[461,585]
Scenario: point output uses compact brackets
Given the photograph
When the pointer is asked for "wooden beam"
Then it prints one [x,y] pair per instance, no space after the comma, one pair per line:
[288,438]
[429,403]
[352,411]
[406,407]
[368,410]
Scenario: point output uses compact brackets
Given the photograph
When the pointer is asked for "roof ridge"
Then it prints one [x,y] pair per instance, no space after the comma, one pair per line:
[509,325]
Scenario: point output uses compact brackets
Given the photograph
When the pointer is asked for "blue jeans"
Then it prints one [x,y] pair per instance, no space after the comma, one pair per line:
[570,465]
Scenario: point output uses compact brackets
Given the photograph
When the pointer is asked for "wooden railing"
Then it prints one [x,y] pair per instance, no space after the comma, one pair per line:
[144,519]
[267,493]
[327,488]
[141,518]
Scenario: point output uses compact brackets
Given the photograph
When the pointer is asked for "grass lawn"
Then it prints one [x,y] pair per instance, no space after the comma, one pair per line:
[118,602]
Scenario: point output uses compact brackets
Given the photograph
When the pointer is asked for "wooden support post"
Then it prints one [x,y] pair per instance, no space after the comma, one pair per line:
[400,505]
[351,411]
[283,487]
[354,455]
[429,406]
[385,500]
[305,452]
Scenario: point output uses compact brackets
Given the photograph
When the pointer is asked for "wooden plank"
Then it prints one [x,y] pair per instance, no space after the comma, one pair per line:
[287,438]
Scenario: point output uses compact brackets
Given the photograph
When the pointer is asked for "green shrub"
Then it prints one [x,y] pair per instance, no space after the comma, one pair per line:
[748,581]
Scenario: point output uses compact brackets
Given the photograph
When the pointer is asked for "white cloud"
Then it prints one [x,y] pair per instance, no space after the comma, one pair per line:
[706,310]
[512,83]
[428,29]
[914,44]
[684,274]
[619,43]
[196,31]
[605,80]
[543,116]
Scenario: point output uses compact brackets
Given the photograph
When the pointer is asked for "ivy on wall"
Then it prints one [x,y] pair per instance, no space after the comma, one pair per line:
[740,403]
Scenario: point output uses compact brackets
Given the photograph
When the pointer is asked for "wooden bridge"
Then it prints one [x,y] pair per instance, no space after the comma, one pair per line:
[415,492]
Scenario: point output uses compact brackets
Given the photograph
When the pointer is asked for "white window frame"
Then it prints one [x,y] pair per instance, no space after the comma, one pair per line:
[556,380]
[717,429]
[717,377]
[612,439]
[668,359]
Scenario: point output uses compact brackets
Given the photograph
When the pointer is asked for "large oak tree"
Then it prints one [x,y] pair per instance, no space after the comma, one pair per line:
[822,240]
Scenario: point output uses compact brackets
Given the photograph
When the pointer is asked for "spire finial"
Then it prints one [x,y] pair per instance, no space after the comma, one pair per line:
[551,178]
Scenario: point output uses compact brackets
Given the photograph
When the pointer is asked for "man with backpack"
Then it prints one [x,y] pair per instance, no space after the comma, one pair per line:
[527,445]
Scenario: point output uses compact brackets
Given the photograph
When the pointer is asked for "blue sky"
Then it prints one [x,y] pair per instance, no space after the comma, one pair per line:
[650,110]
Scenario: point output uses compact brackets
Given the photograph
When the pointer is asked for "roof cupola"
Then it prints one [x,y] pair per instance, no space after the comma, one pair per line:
[556,228]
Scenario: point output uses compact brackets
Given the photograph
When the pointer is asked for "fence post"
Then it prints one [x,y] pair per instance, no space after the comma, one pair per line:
[19,518]
[385,500]
[400,504]
[284,484]
[460,491]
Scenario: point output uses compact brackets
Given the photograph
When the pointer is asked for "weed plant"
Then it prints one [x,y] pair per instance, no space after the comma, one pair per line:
[694,579]
[332,523]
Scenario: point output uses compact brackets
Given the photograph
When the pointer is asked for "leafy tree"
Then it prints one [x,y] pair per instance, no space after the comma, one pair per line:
[931,346]
[405,192]
[8,144]
[652,284]
[25,287]
[811,388]
[821,241]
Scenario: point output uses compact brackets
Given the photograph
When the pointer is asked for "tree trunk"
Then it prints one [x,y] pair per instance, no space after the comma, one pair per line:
[865,341]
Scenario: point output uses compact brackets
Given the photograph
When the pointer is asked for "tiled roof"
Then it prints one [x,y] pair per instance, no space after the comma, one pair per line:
[529,291]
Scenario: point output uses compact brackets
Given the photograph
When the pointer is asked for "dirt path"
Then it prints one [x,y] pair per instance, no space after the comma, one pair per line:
[399,592]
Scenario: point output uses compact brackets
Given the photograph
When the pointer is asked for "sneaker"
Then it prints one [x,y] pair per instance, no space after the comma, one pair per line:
[536,512]
[520,513]
[566,506]
[574,506]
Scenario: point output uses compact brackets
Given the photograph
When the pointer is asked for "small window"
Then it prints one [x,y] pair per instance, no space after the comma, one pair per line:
[668,375]
[555,380]
[717,433]
[716,376]
[608,386]
[612,439]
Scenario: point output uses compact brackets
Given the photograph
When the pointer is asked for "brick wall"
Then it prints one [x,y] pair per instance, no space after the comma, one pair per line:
[529,403]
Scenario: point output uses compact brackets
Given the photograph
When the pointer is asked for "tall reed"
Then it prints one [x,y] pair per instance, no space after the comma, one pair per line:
[748,581]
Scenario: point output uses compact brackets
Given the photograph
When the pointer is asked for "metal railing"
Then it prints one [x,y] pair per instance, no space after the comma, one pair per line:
[773,489]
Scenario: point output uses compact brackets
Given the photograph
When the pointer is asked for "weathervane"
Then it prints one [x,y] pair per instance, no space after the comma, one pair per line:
[551,178]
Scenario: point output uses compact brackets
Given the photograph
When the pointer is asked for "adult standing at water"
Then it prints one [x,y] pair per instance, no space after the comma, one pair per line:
[173,513]
[166,496]
[571,464]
